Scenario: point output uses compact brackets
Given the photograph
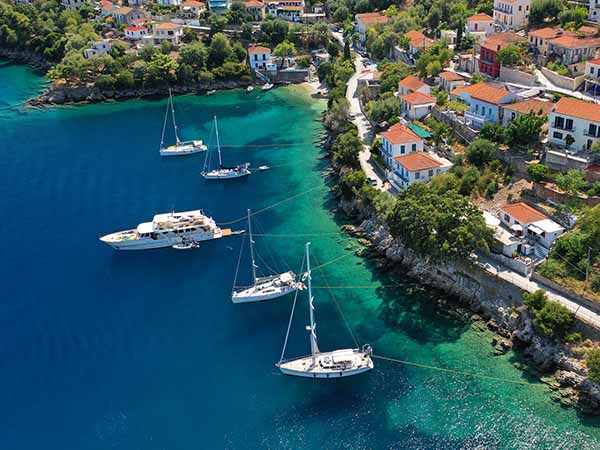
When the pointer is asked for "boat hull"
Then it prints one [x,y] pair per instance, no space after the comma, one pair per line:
[217,175]
[183,150]
[250,296]
[149,243]
[304,367]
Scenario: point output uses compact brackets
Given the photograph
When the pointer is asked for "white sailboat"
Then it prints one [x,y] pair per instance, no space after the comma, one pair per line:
[181,147]
[223,172]
[334,364]
[265,288]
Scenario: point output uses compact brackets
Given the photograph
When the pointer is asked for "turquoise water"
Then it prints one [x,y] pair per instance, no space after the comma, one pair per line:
[102,349]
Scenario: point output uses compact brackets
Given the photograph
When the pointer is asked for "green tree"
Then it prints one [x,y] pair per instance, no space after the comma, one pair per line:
[347,54]
[493,132]
[525,129]
[346,149]
[220,50]
[352,182]
[509,55]
[480,152]
[554,319]
[593,364]
[124,79]
[571,182]
[160,69]
[284,50]
[545,10]
[194,55]
[573,18]
[535,300]
[538,172]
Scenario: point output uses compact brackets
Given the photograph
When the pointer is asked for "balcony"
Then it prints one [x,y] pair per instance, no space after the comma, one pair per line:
[569,130]
[400,176]
[474,120]
[503,10]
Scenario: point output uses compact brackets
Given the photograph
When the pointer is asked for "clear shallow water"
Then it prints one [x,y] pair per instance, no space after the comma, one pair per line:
[100,349]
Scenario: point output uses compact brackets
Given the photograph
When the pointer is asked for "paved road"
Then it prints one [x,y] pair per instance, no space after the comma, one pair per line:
[545,82]
[583,312]
[362,123]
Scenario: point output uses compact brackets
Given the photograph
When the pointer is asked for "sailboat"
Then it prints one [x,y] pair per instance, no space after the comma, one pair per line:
[265,288]
[224,172]
[181,147]
[334,364]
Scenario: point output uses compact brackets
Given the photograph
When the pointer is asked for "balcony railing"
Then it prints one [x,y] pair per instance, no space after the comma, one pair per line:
[503,10]
[571,130]
[399,175]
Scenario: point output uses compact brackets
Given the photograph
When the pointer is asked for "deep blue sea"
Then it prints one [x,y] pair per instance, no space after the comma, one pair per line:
[144,350]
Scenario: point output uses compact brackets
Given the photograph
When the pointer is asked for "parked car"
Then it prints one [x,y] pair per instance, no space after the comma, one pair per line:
[372,181]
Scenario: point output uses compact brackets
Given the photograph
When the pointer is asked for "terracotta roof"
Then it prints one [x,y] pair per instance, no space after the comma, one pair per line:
[418,161]
[192,3]
[123,10]
[458,90]
[258,49]
[399,134]
[594,61]
[578,108]
[372,18]
[107,5]
[418,98]
[575,42]
[588,30]
[451,76]
[594,168]
[486,93]
[135,28]
[253,4]
[168,26]
[523,213]
[531,104]
[418,39]
[545,33]
[480,17]
[411,82]
[290,8]
[142,20]
[498,41]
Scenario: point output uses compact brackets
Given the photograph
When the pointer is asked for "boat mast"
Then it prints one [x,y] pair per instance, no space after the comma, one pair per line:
[252,251]
[314,348]
[173,114]
[162,136]
[218,144]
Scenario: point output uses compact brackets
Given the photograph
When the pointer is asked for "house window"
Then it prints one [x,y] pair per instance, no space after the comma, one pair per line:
[592,130]
[557,135]
[592,70]
[414,147]
[520,7]
[431,173]
[559,122]
[506,218]
[417,175]
[569,124]
[402,149]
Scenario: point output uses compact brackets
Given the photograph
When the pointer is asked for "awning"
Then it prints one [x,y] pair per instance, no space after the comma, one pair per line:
[535,229]
[516,227]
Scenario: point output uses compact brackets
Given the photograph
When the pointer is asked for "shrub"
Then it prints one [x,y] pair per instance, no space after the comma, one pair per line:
[480,152]
[535,300]
[593,364]
[552,269]
[303,61]
[494,132]
[352,182]
[554,319]
[538,172]
[574,338]
[596,283]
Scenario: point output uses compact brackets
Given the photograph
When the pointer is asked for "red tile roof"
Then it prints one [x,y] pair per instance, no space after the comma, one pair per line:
[399,134]
[258,49]
[418,161]
[372,18]
[107,5]
[594,61]
[411,82]
[486,92]
[418,39]
[523,213]
[418,98]
[168,26]
[595,169]
[480,17]
[531,104]
[575,42]
[253,4]
[451,76]
[545,33]
[192,4]
[498,41]
[135,28]
[578,108]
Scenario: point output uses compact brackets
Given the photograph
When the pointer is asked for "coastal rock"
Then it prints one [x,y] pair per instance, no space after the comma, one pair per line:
[566,378]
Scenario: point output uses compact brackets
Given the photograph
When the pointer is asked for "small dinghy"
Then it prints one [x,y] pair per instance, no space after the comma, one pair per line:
[186,244]
[267,86]
[267,287]
[249,88]
[263,167]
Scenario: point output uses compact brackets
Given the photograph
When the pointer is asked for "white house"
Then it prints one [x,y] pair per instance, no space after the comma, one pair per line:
[526,221]
[450,81]
[416,105]
[417,42]
[412,84]
[594,12]
[511,111]
[192,8]
[484,100]
[107,8]
[261,58]
[366,20]
[135,33]
[168,31]
[512,14]
[417,167]
[97,48]
[592,76]
[399,140]
[576,118]
[449,36]
[169,2]
[479,25]
[127,15]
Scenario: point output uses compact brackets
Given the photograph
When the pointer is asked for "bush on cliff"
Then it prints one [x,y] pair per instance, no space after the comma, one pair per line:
[444,225]
[346,148]
[551,318]
[593,364]
[351,183]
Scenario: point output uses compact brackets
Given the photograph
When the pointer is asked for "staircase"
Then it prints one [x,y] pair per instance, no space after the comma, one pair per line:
[540,252]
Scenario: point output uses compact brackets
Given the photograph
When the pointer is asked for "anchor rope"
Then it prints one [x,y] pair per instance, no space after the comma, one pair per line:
[287,334]
[452,371]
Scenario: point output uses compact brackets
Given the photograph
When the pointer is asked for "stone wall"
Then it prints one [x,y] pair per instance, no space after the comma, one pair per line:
[454,122]
[561,161]
[546,192]
[564,82]
[516,76]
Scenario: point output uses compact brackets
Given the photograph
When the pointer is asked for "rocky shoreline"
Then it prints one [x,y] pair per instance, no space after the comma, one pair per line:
[25,57]
[483,298]
[60,93]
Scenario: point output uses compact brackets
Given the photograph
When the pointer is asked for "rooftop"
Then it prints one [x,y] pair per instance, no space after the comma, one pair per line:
[418,39]
[399,134]
[135,28]
[192,4]
[578,108]
[411,82]
[168,26]
[575,42]
[548,226]
[418,98]
[258,49]
[498,41]
[532,104]
[123,10]
[594,61]
[486,92]
[451,76]
[372,18]
[253,4]
[523,213]
[480,17]
[418,161]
